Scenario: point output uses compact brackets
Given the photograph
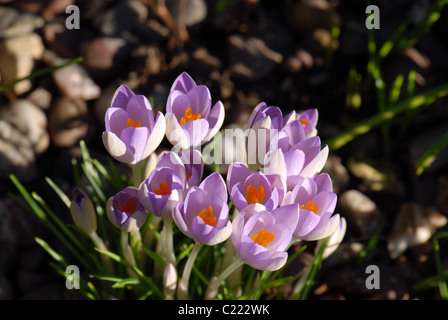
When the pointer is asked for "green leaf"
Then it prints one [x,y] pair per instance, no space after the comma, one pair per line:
[430,155]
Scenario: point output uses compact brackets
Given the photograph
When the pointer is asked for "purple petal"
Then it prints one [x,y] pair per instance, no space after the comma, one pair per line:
[215,186]
[139,109]
[200,100]
[136,139]
[122,96]
[237,172]
[183,83]
[177,102]
[116,120]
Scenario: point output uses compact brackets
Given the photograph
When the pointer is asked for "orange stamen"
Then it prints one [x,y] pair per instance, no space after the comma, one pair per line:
[163,190]
[310,206]
[132,123]
[207,216]
[129,207]
[263,237]
[254,194]
[304,122]
[188,116]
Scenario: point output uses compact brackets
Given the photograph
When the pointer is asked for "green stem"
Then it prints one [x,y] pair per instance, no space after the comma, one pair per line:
[39,73]
[441,280]
[182,288]
[365,126]
[100,244]
[215,282]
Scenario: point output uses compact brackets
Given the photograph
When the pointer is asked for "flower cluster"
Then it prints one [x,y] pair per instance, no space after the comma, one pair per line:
[262,207]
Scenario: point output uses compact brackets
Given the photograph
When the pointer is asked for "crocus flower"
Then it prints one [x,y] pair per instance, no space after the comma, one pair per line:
[82,211]
[165,186]
[261,238]
[190,119]
[305,159]
[335,239]
[247,188]
[308,119]
[194,166]
[131,133]
[317,203]
[204,215]
[264,123]
[125,211]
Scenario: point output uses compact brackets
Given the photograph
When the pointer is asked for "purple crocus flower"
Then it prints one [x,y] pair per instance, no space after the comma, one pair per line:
[204,215]
[194,166]
[165,186]
[317,203]
[308,119]
[82,211]
[125,211]
[264,123]
[261,238]
[131,133]
[305,159]
[247,188]
[190,119]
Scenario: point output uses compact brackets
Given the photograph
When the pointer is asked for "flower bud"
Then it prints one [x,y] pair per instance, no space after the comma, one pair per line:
[82,211]
[169,281]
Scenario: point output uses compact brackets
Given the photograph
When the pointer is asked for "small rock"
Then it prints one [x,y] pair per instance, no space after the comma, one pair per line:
[121,18]
[194,12]
[251,59]
[68,121]
[72,81]
[23,135]
[41,97]
[337,171]
[17,57]
[304,16]
[376,175]
[59,39]
[360,212]
[103,56]
[414,225]
[13,23]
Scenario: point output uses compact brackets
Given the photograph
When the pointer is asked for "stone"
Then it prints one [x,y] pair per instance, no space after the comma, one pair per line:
[14,23]
[413,225]
[40,97]
[304,16]
[251,59]
[59,39]
[73,81]
[376,176]
[17,56]
[23,136]
[337,171]
[68,121]
[360,211]
[103,56]
[194,12]
[121,18]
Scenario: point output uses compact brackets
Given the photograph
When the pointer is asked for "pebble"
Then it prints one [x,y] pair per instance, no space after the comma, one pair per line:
[17,56]
[194,12]
[68,121]
[13,23]
[304,16]
[337,171]
[413,225]
[23,135]
[73,81]
[251,59]
[360,211]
